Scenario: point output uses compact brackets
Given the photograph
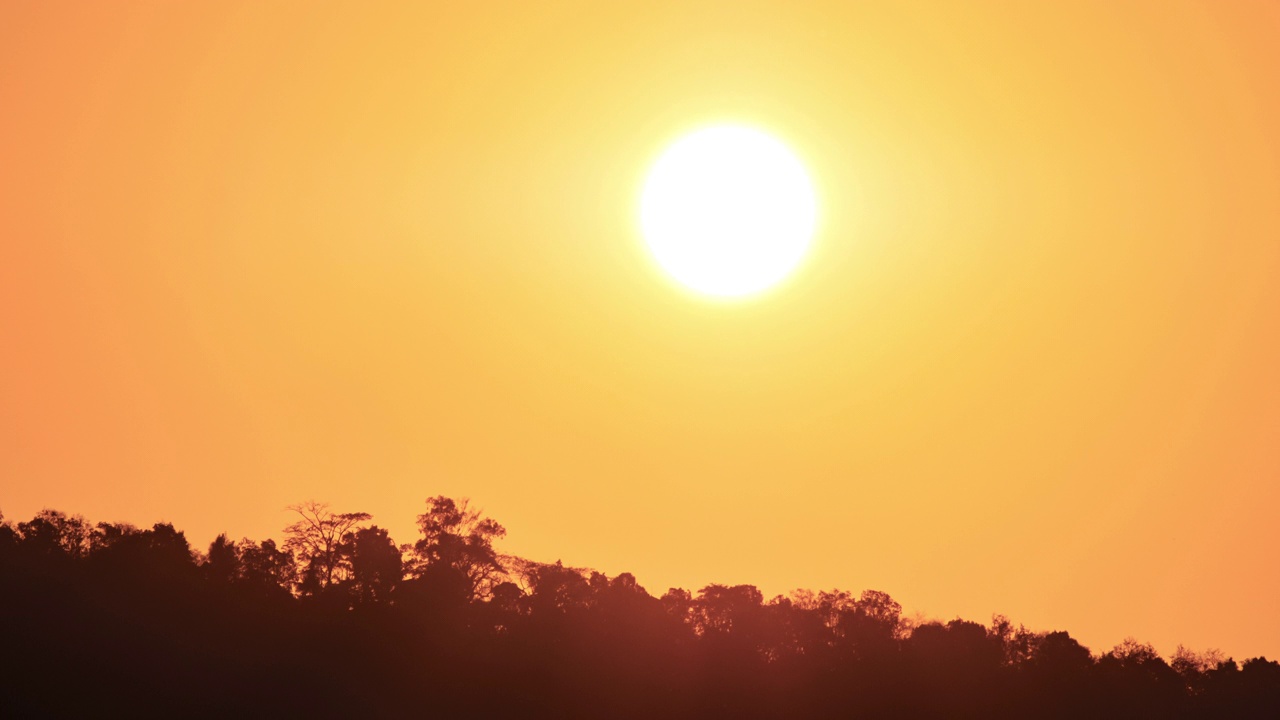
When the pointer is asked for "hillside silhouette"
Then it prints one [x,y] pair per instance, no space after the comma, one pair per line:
[338,620]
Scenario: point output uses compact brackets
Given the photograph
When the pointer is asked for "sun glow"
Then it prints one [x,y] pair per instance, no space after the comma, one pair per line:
[728,211]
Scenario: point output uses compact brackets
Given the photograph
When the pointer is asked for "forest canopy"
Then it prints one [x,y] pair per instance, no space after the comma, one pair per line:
[336,618]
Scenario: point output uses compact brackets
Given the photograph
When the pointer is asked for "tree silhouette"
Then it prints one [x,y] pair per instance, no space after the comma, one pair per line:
[455,554]
[110,619]
[316,540]
[376,567]
[52,533]
[257,570]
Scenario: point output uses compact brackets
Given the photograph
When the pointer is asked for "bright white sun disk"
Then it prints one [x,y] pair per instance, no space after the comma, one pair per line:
[728,211]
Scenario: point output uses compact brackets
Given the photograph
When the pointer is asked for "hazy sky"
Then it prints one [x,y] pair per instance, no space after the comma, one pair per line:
[257,252]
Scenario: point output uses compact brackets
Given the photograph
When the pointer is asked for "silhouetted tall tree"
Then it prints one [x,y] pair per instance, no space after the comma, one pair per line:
[456,553]
[376,567]
[316,540]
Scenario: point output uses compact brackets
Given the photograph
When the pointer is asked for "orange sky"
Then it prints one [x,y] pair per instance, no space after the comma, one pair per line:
[258,252]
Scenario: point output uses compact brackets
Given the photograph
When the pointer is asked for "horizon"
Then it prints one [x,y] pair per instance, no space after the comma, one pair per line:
[909,612]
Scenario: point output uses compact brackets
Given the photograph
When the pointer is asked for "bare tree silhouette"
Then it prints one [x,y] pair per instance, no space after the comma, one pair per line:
[316,540]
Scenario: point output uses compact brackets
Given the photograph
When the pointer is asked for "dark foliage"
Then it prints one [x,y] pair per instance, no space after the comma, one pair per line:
[111,620]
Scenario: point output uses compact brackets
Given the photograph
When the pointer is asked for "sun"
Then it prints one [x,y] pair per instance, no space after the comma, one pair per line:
[728,211]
